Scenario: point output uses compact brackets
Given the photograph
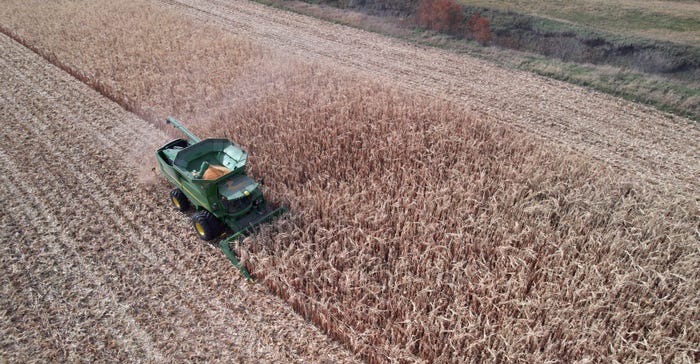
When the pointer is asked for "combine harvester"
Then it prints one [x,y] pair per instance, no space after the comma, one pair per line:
[210,176]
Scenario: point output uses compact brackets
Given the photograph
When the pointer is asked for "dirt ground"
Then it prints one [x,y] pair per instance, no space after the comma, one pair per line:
[649,144]
[94,265]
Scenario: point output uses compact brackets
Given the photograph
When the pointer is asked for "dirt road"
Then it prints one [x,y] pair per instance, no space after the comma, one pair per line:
[649,144]
[95,267]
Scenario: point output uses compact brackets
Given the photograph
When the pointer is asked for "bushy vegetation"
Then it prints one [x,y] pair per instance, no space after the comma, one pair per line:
[447,16]
[441,15]
[479,28]
[379,7]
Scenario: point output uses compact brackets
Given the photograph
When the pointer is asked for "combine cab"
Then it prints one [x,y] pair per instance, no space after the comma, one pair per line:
[210,176]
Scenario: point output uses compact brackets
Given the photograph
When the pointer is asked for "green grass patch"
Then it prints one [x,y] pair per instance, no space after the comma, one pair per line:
[675,96]
[671,21]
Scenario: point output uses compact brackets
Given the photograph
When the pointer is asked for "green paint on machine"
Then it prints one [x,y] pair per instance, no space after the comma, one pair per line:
[210,174]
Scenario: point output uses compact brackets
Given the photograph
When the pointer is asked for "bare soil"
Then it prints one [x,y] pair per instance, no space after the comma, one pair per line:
[95,267]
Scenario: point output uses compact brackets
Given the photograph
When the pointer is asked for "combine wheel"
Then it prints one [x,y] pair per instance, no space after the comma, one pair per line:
[179,200]
[206,225]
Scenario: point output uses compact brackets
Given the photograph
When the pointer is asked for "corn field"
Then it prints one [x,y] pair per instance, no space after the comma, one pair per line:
[417,232]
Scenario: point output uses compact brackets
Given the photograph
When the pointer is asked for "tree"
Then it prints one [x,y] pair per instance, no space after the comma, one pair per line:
[441,15]
[479,27]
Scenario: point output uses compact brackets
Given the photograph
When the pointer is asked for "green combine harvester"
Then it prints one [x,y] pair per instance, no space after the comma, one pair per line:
[210,176]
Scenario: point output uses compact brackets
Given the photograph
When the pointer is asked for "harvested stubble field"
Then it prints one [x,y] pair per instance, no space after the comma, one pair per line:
[416,232]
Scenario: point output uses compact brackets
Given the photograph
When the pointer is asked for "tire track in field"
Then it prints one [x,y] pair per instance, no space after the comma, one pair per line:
[81,280]
[94,265]
[652,145]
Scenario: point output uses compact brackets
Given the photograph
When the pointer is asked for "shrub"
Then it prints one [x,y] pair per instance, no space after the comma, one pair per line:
[441,15]
[479,28]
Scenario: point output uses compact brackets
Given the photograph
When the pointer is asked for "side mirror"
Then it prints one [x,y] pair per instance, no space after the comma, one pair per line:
[262,181]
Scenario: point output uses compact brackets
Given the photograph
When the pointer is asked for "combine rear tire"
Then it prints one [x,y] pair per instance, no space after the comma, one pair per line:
[179,200]
[206,225]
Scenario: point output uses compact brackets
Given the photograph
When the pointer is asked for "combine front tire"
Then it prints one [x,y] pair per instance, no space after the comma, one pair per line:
[206,225]
[179,200]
